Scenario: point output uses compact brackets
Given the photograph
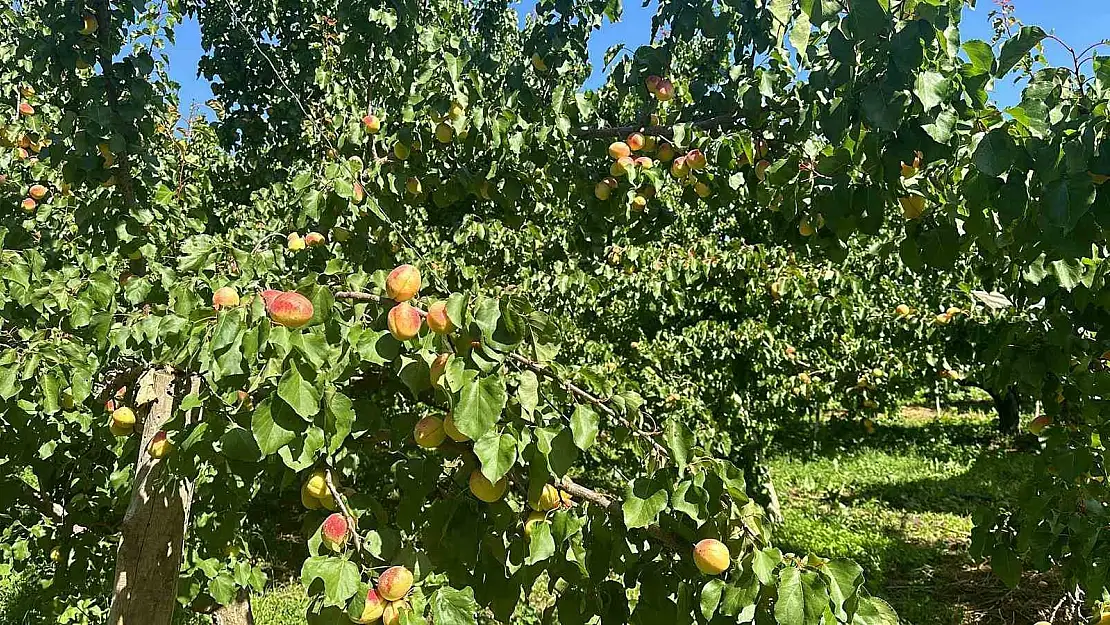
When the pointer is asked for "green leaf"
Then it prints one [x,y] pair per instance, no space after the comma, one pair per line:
[711,597]
[874,611]
[932,89]
[527,392]
[298,393]
[995,153]
[644,500]
[454,607]
[844,579]
[541,545]
[269,427]
[679,440]
[1017,47]
[980,54]
[497,454]
[481,402]
[341,414]
[222,588]
[583,424]
[799,35]
[340,578]
[802,599]
[764,563]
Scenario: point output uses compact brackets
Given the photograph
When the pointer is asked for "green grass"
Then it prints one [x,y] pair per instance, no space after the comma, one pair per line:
[899,502]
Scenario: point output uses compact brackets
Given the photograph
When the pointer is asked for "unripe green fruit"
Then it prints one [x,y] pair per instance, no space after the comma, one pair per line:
[453,432]
[486,491]
[317,484]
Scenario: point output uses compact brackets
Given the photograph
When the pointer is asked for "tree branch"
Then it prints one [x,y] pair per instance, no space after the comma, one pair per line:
[351,520]
[613,507]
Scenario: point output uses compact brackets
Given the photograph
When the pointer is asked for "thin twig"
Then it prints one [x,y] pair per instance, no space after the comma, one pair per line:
[352,522]
[588,397]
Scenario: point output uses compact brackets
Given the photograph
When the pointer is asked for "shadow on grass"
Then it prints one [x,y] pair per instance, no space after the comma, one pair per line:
[899,502]
[943,439]
[991,480]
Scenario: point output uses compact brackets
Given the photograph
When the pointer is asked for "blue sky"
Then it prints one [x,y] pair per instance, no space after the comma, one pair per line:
[1079,22]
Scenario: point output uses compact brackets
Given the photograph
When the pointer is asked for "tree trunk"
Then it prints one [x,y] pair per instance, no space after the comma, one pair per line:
[237,612]
[149,557]
[1009,411]
[761,487]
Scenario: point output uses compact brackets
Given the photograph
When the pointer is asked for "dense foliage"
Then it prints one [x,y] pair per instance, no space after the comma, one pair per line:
[630,290]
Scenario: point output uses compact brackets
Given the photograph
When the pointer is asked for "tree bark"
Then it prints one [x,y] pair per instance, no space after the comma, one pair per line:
[238,612]
[153,530]
[1009,411]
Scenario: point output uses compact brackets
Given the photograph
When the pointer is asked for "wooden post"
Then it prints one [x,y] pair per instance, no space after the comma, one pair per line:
[149,558]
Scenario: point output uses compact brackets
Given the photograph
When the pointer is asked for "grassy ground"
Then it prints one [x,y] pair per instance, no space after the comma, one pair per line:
[899,502]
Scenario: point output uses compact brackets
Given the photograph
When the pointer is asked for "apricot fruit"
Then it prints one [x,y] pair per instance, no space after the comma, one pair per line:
[123,421]
[548,499]
[702,189]
[485,490]
[392,613]
[28,205]
[644,162]
[160,446]
[761,167]
[334,532]
[413,186]
[395,583]
[665,91]
[317,484]
[291,309]
[294,242]
[89,25]
[429,432]
[312,239]
[635,142]
[1036,426]
[307,500]
[401,151]
[403,283]
[373,608]
[679,168]
[652,84]
[622,166]
[26,109]
[665,153]
[696,160]
[404,321]
[439,366]
[371,124]
[902,310]
[712,557]
[438,321]
[37,192]
[452,431]
[225,297]
[269,295]
[619,150]
[538,63]
[445,133]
